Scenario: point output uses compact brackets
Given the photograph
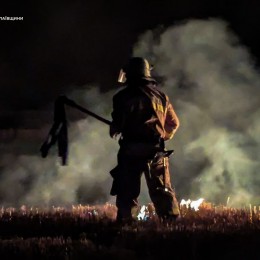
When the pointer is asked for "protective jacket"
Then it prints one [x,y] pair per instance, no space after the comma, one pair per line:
[141,112]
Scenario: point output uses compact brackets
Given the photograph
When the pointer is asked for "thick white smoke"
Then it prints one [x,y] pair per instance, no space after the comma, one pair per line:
[214,88]
[92,154]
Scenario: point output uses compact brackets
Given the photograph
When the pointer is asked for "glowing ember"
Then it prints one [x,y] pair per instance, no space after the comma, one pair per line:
[193,204]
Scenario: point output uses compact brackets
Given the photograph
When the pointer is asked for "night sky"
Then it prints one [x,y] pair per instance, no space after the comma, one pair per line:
[75,43]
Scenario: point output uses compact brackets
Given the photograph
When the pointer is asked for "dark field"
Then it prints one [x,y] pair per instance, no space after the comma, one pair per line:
[90,232]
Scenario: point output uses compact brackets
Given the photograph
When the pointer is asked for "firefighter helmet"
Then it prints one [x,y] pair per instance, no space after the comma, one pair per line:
[137,68]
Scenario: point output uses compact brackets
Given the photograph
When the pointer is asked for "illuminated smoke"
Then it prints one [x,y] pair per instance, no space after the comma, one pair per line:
[214,87]
[92,154]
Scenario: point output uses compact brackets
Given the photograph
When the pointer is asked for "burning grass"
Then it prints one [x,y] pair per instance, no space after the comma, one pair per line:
[79,231]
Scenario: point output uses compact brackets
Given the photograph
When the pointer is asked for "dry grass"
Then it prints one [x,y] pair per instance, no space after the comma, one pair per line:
[81,231]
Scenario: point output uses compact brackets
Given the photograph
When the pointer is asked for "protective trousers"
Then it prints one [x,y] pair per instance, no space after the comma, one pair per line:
[127,183]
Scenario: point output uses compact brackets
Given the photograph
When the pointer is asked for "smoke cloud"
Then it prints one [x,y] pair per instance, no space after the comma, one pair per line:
[214,87]
[27,179]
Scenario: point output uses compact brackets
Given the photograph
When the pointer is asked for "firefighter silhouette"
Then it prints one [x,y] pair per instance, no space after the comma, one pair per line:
[144,118]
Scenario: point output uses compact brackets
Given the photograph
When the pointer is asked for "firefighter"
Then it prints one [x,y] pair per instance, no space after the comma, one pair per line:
[144,118]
